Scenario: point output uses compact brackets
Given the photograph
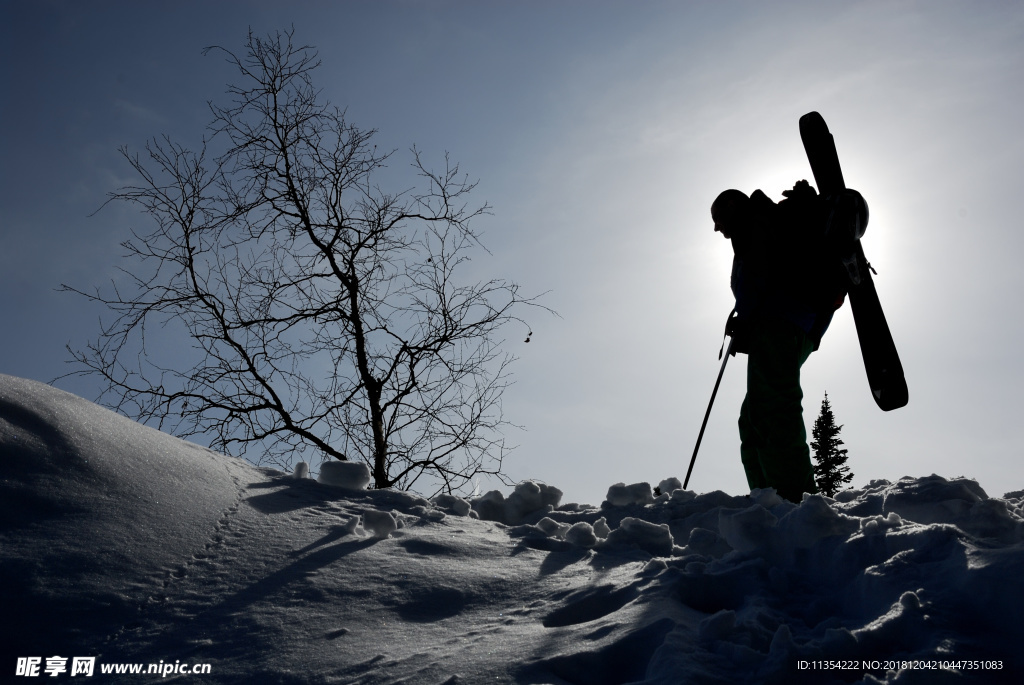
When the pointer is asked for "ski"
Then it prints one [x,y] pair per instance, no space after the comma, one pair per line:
[847,221]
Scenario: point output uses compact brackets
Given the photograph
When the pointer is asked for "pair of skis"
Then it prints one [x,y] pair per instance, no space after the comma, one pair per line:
[849,219]
[845,227]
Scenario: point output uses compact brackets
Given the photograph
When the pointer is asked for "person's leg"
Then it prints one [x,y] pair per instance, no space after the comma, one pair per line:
[771,421]
[749,444]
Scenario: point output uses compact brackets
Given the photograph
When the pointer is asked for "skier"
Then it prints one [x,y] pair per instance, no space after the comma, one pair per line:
[787,289]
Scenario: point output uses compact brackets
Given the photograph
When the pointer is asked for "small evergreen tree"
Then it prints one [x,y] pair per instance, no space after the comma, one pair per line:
[830,469]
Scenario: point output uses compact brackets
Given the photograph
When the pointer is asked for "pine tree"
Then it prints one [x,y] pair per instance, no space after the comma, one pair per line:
[830,469]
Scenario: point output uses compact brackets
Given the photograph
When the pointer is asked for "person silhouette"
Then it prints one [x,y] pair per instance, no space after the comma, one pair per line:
[787,289]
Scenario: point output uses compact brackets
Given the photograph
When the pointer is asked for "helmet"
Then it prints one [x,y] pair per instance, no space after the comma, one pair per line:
[848,217]
[728,207]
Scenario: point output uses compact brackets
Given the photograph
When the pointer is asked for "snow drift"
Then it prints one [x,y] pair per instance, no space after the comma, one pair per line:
[124,544]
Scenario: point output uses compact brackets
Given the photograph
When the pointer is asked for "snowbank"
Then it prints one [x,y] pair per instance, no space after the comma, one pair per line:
[125,544]
[91,506]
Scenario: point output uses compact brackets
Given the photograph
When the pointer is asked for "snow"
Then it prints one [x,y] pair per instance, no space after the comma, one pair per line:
[380,524]
[122,543]
[353,475]
[621,495]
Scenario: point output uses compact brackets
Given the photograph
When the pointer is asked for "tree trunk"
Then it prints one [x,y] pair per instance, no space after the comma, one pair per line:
[373,387]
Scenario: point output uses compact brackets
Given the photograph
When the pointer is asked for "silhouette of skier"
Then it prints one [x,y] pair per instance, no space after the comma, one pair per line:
[787,288]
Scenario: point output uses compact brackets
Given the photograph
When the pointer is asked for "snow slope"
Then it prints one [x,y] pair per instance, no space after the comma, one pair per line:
[122,543]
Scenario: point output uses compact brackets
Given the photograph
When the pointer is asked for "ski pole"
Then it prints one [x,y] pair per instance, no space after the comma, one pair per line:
[693,459]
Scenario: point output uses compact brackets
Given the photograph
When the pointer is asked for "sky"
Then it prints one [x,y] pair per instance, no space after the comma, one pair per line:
[600,132]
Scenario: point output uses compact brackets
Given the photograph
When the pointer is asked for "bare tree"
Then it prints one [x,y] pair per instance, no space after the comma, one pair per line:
[323,313]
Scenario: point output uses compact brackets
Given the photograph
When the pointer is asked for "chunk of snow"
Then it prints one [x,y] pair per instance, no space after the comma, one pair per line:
[380,523]
[622,495]
[748,529]
[782,642]
[553,528]
[707,542]
[353,475]
[453,504]
[683,496]
[350,526]
[766,497]
[301,470]
[814,520]
[653,538]
[581,534]
[670,485]
[490,506]
[717,626]
[528,499]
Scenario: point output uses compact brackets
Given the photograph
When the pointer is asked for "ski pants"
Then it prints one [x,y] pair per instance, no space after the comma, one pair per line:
[773,439]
